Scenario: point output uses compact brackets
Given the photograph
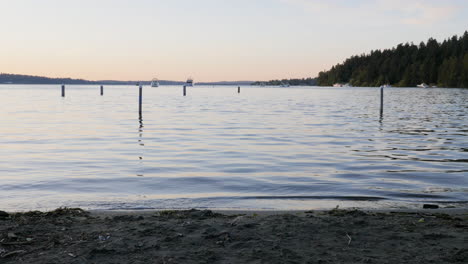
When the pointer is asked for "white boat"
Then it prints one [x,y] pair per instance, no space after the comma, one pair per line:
[155,83]
[342,85]
[386,86]
[284,84]
[422,85]
[189,82]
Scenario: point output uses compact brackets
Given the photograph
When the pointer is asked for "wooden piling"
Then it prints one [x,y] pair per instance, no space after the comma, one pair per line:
[63,90]
[185,90]
[238,89]
[102,90]
[140,100]
[381,99]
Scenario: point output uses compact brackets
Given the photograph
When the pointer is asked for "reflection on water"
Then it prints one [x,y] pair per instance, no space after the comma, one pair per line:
[140,142]
[281,148]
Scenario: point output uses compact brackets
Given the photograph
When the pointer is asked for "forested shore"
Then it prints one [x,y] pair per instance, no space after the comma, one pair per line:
[444,64]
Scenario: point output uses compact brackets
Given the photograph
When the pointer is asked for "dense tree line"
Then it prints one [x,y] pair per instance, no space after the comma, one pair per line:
[29,79]
[444,64]
[292,82]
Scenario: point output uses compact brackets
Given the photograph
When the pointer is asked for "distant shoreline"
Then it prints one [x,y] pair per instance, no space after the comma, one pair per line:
[30,79]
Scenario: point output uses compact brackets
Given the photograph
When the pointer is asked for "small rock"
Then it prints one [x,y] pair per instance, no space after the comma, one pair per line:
[104,237]
[12,235]
[236,220]
[186,223]
[430,206]
[4,214]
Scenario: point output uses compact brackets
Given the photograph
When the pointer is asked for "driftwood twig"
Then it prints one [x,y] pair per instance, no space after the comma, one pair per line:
[349,241]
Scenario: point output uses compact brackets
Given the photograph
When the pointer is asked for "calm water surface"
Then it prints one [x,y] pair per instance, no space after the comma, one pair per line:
[265,148]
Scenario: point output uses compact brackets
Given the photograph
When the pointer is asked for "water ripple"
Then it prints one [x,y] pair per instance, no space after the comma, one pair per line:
[265,148]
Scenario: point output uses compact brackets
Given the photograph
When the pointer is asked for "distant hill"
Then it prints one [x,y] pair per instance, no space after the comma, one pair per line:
[444,64]
[29,79]
[292,82]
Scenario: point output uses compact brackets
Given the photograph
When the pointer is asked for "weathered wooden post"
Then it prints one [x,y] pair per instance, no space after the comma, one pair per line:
[381,100]
[140,99]
[102,90]
[63,90]
[238,89]
[185,90]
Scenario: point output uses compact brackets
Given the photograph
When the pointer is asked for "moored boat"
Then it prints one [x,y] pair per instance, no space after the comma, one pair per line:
[189,82]
[342,85]
[155,83]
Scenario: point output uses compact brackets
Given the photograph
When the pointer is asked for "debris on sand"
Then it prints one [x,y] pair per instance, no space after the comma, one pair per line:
[72,235]
[430,206]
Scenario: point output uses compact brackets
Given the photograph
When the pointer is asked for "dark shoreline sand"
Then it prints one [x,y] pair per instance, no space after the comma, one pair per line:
[334,236]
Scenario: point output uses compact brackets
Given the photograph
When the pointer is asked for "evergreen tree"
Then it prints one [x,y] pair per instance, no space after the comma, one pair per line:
[431,62]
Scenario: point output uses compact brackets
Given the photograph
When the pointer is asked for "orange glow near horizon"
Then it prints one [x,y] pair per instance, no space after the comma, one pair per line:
[210,40]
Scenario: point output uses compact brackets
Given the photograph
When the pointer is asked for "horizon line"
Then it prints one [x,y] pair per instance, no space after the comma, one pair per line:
[148,80]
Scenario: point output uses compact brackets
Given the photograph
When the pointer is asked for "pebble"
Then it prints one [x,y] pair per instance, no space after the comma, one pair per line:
[4,214]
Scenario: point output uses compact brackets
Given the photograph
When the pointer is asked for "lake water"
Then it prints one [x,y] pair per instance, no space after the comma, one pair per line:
[265,148]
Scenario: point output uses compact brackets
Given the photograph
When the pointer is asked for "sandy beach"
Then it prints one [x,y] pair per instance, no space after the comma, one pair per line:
[335,236]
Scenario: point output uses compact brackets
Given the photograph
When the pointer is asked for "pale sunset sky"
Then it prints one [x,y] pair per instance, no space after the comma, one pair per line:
[210,40]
